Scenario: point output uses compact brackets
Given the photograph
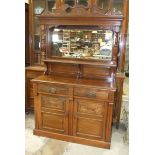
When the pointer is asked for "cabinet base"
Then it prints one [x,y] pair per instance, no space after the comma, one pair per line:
[73,139]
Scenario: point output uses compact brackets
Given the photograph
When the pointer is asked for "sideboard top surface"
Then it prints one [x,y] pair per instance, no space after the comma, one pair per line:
[107,83]
[35,68]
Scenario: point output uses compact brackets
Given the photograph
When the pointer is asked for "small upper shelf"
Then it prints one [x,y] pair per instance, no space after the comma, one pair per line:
[81,61]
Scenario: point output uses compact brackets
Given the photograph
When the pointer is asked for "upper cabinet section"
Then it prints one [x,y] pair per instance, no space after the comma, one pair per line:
[85,29]
[78,7]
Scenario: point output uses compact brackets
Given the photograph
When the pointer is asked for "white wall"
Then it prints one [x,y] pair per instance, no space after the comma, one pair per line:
[26,1]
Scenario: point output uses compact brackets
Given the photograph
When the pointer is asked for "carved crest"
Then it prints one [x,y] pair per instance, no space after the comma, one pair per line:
[81,10]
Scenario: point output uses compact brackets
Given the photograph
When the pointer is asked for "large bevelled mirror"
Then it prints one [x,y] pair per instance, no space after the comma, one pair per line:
[83,42]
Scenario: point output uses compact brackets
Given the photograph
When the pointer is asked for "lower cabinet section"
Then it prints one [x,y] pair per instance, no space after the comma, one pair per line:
[70,117]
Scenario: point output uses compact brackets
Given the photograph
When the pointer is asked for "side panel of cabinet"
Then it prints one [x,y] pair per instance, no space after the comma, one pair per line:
[54,113]
[118,99]
[29,98]
[90,119]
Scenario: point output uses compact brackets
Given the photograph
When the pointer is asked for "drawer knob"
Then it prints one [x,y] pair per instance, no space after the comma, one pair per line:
[91,94]
[52,90]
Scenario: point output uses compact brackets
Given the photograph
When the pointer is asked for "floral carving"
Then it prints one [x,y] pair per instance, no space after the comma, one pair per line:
[91,109]
[66,9]
[52,102]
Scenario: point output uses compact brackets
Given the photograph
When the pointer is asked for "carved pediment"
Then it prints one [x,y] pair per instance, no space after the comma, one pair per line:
[80,10]
[77,10]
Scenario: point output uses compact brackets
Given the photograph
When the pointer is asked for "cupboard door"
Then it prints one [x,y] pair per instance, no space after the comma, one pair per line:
[54,113]
[90,119]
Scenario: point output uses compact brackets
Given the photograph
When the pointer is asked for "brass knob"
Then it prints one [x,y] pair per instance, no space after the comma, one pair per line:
[91,94]
[52,90]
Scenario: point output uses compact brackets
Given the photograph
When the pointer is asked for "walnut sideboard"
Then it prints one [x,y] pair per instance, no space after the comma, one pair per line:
[75,110]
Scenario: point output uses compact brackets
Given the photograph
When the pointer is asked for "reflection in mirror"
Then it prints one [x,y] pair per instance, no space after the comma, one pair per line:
[70,2]
[117,5]
[82,2]
[103,4]
[76,2]
[39,6]
[82,43]
[51,5]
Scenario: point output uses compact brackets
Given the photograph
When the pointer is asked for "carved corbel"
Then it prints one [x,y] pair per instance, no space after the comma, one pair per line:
[115,46]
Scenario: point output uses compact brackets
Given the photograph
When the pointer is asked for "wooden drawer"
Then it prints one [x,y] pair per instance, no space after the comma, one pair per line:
[53,89]
[94,93]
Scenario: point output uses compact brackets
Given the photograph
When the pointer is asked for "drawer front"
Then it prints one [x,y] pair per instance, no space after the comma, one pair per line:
[94,93]
[53,89]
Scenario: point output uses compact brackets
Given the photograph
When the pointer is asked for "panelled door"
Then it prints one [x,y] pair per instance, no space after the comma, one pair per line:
[54,113]
[89,119]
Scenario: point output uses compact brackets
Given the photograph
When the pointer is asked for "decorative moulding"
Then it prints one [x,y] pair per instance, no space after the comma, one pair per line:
[80,10]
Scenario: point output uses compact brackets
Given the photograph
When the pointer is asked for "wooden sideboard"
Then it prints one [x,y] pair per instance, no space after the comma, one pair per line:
[79,95]
[76,110]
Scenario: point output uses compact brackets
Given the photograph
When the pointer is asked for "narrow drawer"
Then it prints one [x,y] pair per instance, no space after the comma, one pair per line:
[94,93]
[53,89]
